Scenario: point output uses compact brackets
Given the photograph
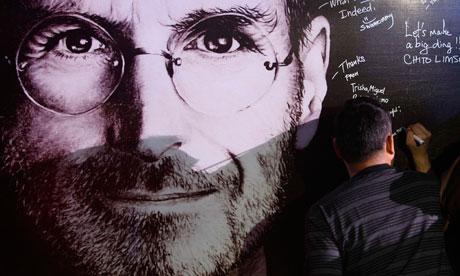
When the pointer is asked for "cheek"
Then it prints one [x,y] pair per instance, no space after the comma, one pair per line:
[42,135]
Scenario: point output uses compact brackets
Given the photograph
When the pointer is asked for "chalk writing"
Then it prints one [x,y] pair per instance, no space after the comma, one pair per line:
[447,59]
[349,70]
[356,11]
[430,44]
[428,3]
[370,89]
[384,100]
[362,9]
[373,91]
[351,76]
[394,110]
[370,24]
[335,3]
[348,64]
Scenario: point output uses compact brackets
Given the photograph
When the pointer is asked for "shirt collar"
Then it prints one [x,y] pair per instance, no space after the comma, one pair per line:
[371,169]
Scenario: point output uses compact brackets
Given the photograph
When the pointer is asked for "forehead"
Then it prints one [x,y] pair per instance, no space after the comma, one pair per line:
[164,11]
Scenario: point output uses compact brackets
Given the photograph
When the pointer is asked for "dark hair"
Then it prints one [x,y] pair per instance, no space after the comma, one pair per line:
[299,14]
[361,129]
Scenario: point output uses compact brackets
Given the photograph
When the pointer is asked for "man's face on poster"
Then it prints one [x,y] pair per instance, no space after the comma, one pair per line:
[157,137]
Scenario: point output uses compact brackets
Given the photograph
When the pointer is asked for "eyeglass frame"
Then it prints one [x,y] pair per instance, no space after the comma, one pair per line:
[136,51]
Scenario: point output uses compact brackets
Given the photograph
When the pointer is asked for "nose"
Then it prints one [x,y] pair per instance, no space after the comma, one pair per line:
[163,126]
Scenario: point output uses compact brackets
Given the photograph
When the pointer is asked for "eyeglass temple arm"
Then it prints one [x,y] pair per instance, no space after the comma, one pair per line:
[272,65]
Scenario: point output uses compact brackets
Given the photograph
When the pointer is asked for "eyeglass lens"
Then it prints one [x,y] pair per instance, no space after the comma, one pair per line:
[222,64]
[69,64]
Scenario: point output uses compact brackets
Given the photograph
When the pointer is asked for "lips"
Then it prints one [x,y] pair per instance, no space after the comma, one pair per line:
[140,196]
[115,180]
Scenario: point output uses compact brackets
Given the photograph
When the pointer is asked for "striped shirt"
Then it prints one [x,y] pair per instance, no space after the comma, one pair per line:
[380,222]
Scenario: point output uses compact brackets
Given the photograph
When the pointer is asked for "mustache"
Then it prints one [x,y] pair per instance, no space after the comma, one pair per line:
[107,170]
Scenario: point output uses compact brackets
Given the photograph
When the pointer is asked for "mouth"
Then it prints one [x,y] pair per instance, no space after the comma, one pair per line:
[161,196]
[171,199]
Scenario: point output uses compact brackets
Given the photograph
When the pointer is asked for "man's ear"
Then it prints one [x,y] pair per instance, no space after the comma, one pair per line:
[390,145]
[314,54]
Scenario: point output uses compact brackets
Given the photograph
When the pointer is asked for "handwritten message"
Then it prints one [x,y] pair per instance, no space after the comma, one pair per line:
[430,43]
[349,70]
[363,10]
[377,92]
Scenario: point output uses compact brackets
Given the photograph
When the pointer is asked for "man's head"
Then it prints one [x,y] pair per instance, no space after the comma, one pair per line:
[362,132]
[157,137]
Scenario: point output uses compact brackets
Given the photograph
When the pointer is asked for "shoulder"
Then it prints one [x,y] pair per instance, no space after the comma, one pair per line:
[412,179]
[418,176]
[382,183]
[355,189]
[330,205]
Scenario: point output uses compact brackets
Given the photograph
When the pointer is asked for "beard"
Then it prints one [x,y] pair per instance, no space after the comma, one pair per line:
[67,202]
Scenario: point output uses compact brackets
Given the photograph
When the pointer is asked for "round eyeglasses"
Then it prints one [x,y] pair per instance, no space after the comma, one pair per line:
[69,64]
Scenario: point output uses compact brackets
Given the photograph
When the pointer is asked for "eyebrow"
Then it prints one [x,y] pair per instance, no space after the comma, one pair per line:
[119,27]
[44,8]
[267,17]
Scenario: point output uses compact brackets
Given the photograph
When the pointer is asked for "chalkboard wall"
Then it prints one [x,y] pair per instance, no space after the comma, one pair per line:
[404,53]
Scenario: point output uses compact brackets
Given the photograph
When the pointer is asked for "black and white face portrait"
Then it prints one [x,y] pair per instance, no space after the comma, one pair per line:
[156,137]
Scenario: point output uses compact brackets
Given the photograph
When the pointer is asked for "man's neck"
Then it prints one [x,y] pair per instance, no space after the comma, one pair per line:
[377,159]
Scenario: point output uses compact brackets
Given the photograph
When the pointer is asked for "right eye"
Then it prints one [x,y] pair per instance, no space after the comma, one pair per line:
[216,42]
[78,41]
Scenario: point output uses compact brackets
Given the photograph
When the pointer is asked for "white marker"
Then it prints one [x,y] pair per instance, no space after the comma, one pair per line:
[418,140]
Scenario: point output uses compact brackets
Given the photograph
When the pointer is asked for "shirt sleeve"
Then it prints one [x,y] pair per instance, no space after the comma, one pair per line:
[322,252]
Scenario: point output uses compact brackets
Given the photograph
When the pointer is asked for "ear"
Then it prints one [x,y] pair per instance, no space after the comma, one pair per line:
[390,145]
[314,54]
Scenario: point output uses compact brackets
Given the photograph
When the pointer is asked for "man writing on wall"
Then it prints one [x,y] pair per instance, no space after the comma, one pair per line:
[381,221]
[153,137]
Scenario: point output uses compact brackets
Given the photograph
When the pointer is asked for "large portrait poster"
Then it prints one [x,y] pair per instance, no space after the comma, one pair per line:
[145,137]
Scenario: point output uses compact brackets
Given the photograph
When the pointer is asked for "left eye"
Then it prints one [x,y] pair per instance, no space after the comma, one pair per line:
[79,42]
[216,42]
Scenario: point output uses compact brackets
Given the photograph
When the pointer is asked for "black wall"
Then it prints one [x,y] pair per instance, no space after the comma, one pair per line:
[407,56]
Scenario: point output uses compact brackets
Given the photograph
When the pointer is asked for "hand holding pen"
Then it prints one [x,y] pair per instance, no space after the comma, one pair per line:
[417,140]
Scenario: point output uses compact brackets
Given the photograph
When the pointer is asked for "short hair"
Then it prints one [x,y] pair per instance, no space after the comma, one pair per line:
[361,129]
